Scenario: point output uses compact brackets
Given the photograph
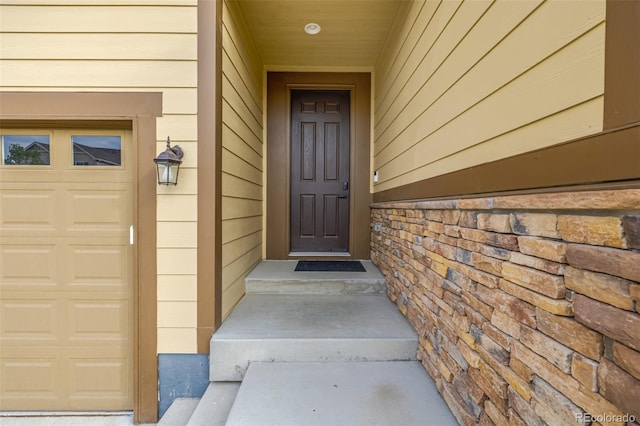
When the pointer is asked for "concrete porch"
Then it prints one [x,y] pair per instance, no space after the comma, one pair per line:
[314,348]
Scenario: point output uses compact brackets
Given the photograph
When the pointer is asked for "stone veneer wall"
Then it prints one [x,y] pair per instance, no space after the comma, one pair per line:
[526,306]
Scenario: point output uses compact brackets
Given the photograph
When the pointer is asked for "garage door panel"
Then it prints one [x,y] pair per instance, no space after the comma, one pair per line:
[99,379]
[106,175]
[55,319]
[99,322]
[36,376]
[28,266]
[29,321]
[27,211]
[66,378]
[97,266]
[34,175]
[97,212]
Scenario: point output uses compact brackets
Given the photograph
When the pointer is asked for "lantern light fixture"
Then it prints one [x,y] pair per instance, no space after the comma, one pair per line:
[168,164]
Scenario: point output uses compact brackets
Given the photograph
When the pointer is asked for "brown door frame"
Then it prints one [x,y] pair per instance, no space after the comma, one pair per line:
[279,86]
[138,112]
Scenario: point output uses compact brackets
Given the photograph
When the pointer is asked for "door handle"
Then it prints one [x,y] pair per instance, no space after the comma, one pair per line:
[343,195]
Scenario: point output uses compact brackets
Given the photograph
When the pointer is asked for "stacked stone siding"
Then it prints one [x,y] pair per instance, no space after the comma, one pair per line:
[527,307]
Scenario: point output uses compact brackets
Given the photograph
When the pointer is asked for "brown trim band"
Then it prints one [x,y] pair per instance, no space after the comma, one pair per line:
[140,110]
[606,157]
[77,124]
[209,172]
[63,106]
[622,64]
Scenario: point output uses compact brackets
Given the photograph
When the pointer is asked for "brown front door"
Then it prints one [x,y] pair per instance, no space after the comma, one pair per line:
[319,171]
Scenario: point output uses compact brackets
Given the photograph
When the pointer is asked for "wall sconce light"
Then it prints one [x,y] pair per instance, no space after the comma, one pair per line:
[168,164]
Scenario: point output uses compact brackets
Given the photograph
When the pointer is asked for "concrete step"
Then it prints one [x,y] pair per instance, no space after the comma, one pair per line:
[280,277]
[215,404]
[338,393]
[307,328]
[179,412]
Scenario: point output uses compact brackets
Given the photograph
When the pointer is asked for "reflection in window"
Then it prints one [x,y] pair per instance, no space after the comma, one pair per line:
[97,150]
[25,150]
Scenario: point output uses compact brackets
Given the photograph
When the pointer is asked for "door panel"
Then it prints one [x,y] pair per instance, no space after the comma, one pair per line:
[320,158]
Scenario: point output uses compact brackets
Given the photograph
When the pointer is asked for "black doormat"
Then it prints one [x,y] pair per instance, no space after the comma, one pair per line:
[330,266]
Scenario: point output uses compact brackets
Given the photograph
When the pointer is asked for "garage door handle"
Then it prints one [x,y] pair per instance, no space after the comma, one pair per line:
[131,235]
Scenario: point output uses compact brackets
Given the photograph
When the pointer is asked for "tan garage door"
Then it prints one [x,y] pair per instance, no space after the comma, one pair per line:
[66,308]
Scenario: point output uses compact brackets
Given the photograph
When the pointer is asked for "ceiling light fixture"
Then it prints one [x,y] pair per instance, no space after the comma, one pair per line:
[312,28]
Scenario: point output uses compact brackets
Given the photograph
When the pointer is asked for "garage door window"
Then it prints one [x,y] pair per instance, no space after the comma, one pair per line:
[97,150]
[25,150]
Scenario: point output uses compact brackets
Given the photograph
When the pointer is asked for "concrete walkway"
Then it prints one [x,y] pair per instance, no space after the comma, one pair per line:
[398,393]
[280,277]
[306,328]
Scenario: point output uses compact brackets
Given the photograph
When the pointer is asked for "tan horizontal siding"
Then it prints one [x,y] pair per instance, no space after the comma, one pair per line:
[173,261]
[89,74]
[398,44]
[99,46]
[125,46]
[233,275]
[102,2]
[241,86]
[233,186]
[237,248]
[105,18]
[235,208]
[423,80]
[537,135]
[167,210]
[176,314]
[572,68]
[182,288]
[237,166]
[478,75]
[422,32]
[238,269]
[478,66]
[176,339]
[242,158]
[251,117]
[177,234]
[238,125]
[232,229]
[239,47]
[182,127]
[233,142]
